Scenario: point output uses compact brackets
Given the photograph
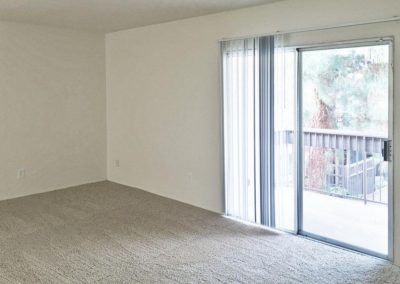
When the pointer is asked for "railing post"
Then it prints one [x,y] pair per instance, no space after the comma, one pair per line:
[348,161]
[365,171]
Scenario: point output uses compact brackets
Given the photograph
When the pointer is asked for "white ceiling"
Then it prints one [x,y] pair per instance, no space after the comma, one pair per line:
[113,15]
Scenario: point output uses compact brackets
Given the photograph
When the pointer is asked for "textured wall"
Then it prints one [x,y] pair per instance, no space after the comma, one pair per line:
[52,108]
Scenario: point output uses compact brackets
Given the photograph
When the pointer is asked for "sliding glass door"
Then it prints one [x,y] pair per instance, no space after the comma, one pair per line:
[345,141]
[308,134]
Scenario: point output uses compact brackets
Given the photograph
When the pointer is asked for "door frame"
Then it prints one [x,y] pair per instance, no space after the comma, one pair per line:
[300,153]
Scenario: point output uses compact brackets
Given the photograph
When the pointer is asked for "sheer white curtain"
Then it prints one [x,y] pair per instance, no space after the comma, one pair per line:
[285,91]
[241,128]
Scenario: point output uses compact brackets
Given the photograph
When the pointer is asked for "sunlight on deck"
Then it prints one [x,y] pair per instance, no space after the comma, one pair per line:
[346,220]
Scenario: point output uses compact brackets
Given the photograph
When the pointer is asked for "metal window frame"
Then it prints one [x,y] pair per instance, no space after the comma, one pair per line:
[389,41]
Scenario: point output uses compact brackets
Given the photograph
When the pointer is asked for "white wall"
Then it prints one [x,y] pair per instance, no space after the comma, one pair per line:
[52,108]
[163,96]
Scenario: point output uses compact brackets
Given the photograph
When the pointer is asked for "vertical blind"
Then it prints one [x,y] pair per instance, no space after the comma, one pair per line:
[251,106]
[285,91]
[241,128]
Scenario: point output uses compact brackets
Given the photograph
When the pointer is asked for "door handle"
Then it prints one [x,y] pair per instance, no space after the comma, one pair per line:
[387,150]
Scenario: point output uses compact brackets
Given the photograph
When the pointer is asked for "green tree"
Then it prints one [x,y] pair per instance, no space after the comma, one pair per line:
[343,89]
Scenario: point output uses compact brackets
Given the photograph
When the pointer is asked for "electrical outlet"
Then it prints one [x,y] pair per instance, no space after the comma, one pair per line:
[20,173]
[116,163]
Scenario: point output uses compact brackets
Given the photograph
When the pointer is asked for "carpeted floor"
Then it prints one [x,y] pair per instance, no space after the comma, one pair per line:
[109,233]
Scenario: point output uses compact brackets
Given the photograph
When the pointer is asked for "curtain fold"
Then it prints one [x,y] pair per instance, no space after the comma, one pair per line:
[267,86]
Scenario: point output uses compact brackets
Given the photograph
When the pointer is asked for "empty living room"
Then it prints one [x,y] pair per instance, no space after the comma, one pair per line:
[200,141]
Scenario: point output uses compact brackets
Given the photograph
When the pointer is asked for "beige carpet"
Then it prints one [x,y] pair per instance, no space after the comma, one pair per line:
[108,233]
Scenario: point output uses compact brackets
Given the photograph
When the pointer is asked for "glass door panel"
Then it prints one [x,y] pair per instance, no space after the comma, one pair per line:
[344,127]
